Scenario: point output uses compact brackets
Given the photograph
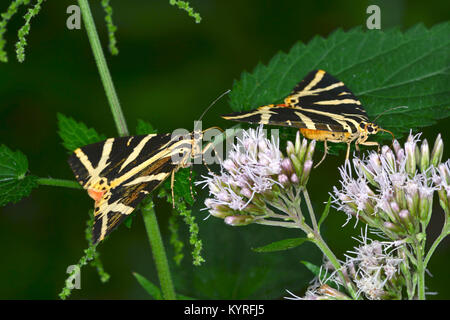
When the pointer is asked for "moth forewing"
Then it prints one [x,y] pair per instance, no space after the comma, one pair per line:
[119,172]
[323,109]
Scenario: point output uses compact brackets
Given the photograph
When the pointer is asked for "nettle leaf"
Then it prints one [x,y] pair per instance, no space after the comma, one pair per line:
[76,134]
[15,184]
[281,245]
[384,69]
[144,127]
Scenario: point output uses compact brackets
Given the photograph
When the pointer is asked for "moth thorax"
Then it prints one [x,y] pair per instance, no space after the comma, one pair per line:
[196,143]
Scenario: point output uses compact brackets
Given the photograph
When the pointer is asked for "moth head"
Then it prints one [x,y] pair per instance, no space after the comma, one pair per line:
[369,128]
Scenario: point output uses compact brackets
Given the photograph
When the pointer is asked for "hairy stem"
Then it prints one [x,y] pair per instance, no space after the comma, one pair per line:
[159,253]
[102,66]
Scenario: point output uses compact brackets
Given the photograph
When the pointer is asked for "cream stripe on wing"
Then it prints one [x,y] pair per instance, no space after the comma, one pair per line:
[136,151]
[84,161]
[160,176]
[318,76]
[107,146]
[167,152]
[306,120]
[337,102]
[315,91]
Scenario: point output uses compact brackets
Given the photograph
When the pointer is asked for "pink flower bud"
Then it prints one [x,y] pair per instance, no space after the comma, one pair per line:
[246,192]
[283,179]
[240,220]
[294,179]
[286,166]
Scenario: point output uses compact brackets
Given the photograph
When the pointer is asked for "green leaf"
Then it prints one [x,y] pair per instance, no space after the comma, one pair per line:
[151,289]
[143,127]
[385,69]
[311,267]
[14,183]
[281,245]
[324,213]
[76,134]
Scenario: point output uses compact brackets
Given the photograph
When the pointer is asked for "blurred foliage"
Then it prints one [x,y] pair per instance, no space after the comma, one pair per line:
[168,71]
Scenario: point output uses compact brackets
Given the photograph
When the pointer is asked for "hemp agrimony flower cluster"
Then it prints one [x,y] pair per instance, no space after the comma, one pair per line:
[373,267]
[391,192]
[255,177]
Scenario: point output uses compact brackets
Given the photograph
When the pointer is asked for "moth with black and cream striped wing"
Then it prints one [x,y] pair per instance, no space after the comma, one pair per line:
[323,108]
[119,172]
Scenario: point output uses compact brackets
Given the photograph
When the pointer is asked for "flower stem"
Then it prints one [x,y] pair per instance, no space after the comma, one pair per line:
[419,250]
[445,232]
[334,261]
[310,209]
[159,253]
[102,66]
[59,183]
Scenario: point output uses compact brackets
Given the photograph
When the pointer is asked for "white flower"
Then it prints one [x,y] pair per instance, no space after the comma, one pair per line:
[387,181]
[251,166]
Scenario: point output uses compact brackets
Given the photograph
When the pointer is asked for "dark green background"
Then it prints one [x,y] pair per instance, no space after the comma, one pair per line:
[168,71]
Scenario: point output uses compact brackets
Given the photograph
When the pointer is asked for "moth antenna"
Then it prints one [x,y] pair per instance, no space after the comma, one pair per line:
[393,138]
[214,102]
[399,107]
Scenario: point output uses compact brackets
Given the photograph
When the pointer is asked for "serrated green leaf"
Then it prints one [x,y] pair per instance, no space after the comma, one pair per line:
[324,213]
[14,183]
[281,245]
[76,134]
[143,127]
[384,69]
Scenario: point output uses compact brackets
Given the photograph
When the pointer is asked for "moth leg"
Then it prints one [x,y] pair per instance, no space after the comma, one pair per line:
[348,151]
[324,154]
[209,145]
[172,180]
[371,143]
[358,150]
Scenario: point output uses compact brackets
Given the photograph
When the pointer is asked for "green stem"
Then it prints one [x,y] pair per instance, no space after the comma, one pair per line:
[102,66]
[277,223]
[59,183]
[445,231]
[419,250]
[334,261]
[310,209]
[159,254]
